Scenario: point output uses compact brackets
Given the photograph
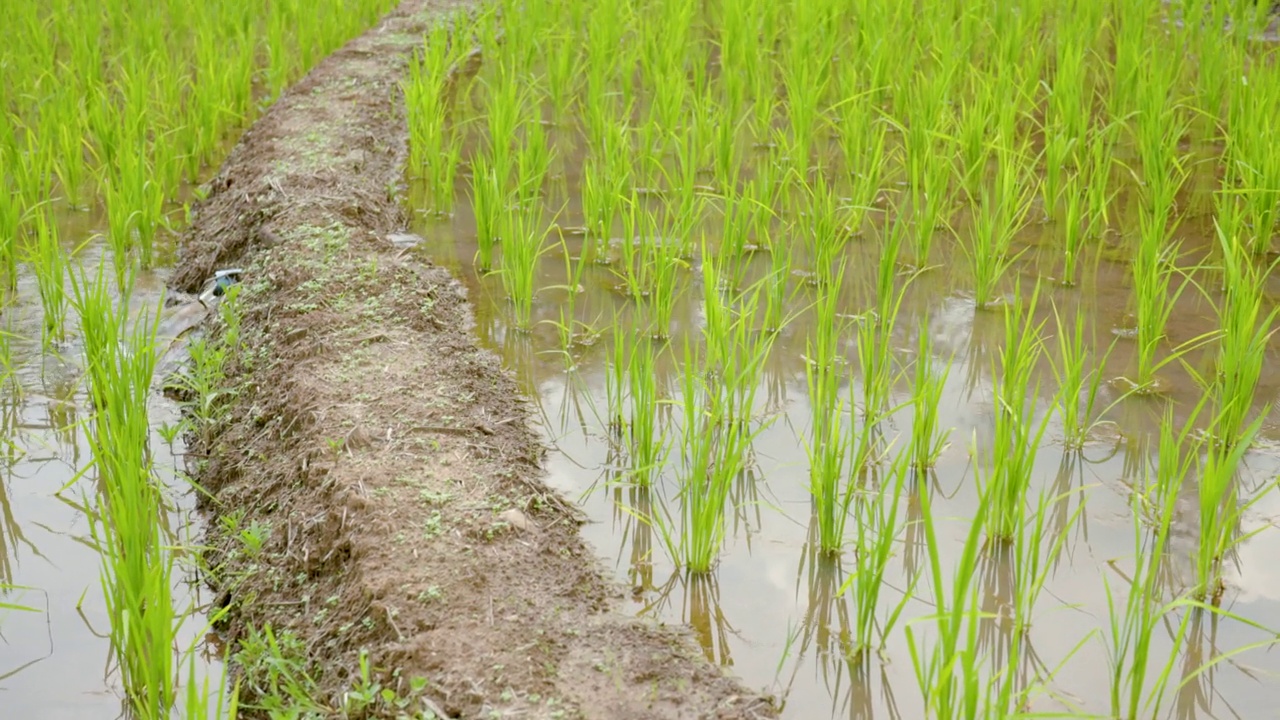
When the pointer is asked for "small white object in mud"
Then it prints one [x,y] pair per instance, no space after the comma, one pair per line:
[217,285]
[516,519]
[404,240]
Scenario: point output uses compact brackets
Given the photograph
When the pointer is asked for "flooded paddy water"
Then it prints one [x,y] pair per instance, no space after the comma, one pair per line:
[57,660]
[774,608]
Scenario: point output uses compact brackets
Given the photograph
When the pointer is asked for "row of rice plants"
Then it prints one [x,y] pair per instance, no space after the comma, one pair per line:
[124,104]
[116,109]
[129,528]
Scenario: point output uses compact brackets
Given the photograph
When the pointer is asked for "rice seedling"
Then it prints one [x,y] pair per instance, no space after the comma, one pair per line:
[828,444]
[1057,151]
[10,223]
[533,161]
[48,264]
[646,443]
[878,527]
[606,183]
[947,670]
[615,386]
[1017,433]
[1246,329]
[1154,268]
[828,233]
[875,329]
[507,101]
[712,455]
[777,290]
[660,253]
[1134,692]
[1000,212]
[434,148]
[1078,385]
[927,440]
[1036,549]
[1221,510]
[489,202]
[522,248]
[1074,230]
[1097,186]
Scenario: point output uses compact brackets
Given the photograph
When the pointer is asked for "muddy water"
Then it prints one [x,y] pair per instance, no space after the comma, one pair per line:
[56,662]
[772,611]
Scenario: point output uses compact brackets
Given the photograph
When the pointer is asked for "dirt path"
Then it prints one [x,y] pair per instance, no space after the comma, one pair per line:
[387,456]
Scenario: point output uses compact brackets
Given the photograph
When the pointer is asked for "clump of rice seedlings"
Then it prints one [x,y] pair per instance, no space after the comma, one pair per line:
[1068,101]
[947,669]
[646,443]
[1246,329]
[1017,433]
[1251,155]
[1098,191]
[878,528]
[563,57]
[570,329]
[137,561]
[875,329]
[1074,231]
[721,378]
[507,100]
[927,440]
[1057,152]
[1154,268]
[522,249]
[806,68]
[828,443]
[48,263]
[777,289]
[1001,211]
[533,162]
[866,159]
[70,167]
[489,201]
[1134,692]
[1036,549]
[827,225]
[606,183]
[737,356]
[1221,510]
[434,149]
[660,253]
[664,43]
[631,269]
[10,222]
[685,203]
[1078,385]
[712,455]
[615,385]
[970,134]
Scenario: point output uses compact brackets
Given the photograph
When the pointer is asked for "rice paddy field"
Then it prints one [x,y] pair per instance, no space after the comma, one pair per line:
[918,356]
[110,115]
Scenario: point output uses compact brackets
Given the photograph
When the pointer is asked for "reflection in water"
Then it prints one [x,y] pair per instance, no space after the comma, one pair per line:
[632,509]
[824,641]
[700,609]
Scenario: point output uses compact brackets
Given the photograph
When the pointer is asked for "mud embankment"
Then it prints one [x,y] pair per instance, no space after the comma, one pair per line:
[386,459]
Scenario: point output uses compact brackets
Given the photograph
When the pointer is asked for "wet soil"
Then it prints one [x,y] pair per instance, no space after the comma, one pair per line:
[388,456]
